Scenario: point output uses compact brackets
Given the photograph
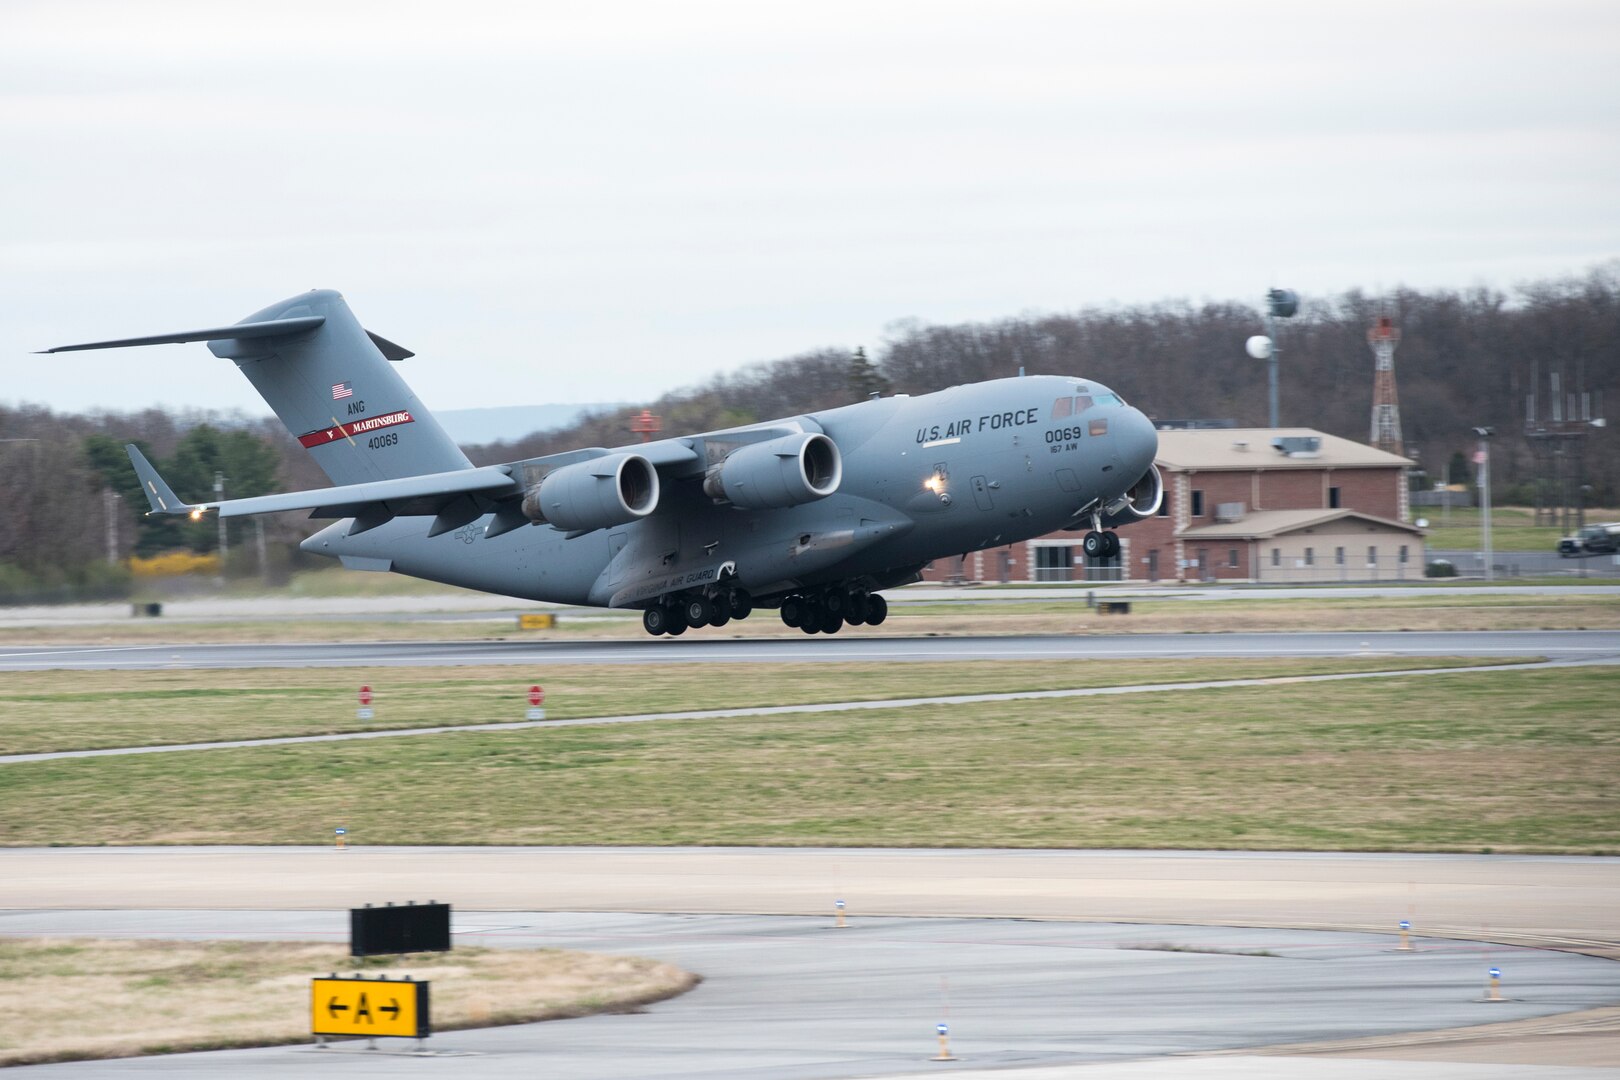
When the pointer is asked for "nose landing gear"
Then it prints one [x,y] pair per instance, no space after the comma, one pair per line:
[1100,545]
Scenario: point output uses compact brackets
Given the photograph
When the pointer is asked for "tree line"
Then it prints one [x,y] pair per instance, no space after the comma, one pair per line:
[1467,358]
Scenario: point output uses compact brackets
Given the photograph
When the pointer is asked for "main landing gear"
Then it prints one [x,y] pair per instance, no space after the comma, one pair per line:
[681,613]
[825,611]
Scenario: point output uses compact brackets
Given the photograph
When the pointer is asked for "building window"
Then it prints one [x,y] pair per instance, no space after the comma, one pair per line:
[1276,556]
[1333,498]
[1310,556]
[1403,553]
[1164,507]
[1232,557]
[1372,555]
[1338,556]
[1198,504]
[1053,563]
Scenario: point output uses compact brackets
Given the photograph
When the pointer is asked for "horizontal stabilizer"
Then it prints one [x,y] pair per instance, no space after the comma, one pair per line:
[374,502]
[270,328]
[158,494]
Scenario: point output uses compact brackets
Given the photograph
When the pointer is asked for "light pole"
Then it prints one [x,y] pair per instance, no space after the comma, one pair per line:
[219,497]
[1482,458]
[1280,304]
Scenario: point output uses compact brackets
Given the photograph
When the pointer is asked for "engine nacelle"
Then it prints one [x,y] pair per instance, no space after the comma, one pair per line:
[595,494]
[783,472]
[1142,500]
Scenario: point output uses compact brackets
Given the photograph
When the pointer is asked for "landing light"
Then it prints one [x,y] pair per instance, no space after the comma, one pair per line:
[196,513]
[935,483]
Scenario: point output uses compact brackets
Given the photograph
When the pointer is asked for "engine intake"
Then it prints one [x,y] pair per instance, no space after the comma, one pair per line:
[1142,500]
[595,494]
[783,472]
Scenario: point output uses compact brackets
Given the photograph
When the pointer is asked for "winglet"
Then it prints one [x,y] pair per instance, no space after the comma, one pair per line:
[162,498]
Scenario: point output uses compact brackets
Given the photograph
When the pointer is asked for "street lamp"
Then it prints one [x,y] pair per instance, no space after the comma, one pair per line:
[1482,458]
[1280,304]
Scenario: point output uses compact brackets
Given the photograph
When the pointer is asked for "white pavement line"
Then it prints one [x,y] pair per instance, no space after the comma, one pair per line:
[771,710]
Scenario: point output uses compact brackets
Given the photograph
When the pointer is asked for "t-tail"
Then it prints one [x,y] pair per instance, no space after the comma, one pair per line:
[332,384]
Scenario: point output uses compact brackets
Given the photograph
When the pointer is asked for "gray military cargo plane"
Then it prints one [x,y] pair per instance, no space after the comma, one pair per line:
[811,515]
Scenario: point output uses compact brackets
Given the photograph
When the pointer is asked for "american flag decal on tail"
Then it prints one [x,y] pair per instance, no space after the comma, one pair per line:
[342,390]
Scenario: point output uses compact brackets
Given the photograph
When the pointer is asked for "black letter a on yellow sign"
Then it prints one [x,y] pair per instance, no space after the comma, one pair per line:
[363,1010]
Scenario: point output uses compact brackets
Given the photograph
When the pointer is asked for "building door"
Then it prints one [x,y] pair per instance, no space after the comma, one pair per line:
[1153,565]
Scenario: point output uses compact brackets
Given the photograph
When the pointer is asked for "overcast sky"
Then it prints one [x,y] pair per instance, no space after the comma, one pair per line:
[556,202]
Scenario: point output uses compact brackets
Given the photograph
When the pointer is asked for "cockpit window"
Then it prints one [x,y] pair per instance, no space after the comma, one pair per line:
[1109,399]
[1062,407]
[1099,427]
[1082,403]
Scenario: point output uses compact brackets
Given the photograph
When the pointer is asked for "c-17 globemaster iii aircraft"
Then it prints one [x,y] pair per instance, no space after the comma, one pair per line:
[812,515]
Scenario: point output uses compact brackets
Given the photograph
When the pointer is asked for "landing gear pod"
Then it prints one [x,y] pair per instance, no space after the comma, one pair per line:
[783,472]
[595,494]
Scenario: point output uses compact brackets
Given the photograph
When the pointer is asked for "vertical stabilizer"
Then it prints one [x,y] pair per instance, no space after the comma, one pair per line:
[339,395]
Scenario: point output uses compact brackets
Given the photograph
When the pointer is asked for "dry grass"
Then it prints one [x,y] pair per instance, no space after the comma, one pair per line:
[76,710]
[72,999]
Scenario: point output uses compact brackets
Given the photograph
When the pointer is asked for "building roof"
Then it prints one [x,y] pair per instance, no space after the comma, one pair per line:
[1265,524]
[1251,448]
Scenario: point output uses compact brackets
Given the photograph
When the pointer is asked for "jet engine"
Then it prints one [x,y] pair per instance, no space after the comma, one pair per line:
[1142,500]
[783,472]
[595,494]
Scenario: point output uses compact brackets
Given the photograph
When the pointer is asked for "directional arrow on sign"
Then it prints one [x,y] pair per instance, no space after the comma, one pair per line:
[334,1008]
[391,1007]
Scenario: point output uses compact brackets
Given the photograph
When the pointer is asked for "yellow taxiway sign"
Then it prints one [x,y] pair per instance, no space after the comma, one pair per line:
[369,1007]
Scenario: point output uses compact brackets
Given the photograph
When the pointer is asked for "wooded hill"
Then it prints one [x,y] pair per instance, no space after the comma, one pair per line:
[1466,359]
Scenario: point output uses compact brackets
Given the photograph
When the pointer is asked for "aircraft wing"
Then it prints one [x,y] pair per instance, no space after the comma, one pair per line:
[455,497]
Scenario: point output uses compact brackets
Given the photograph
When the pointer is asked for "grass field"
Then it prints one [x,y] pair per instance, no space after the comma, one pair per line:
[1473,761]
[1513,528]
[1419,609]
[82,710]
[68,999]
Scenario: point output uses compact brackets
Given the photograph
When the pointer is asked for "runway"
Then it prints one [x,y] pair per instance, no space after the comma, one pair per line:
[1088,974]
[850,646]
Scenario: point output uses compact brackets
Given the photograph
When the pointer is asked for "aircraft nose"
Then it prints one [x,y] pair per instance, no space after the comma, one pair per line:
[1135,441]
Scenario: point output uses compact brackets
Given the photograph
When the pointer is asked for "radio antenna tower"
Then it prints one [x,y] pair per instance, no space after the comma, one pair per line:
[1386,414]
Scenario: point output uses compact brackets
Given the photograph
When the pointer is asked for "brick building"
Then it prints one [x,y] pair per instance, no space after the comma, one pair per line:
[1242,504]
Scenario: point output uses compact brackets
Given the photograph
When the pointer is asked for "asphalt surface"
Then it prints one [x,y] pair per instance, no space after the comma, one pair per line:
[1078,983]
[797,998]
[849,646]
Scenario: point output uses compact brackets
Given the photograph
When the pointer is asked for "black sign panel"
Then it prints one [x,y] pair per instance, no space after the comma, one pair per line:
[376,931]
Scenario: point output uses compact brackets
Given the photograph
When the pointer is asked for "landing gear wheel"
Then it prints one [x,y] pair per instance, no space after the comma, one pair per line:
[831,624]
[859,607]
[1093,545]
[699,611]
[877,609]
[676,630]
[655,620]
[742,605]
[793,610]
[722,615]
[836,602]
[1110,545]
